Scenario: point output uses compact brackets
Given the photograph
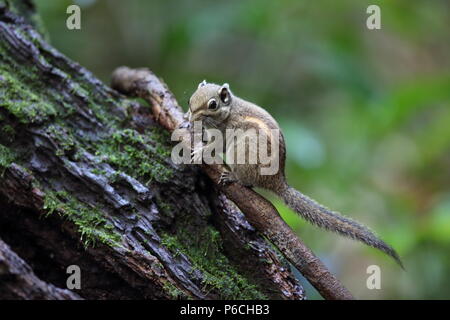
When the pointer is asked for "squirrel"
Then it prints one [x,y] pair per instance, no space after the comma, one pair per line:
[219,109]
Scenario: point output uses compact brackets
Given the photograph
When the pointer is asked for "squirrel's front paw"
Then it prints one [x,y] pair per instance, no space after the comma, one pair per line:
[226,177]
[196,156]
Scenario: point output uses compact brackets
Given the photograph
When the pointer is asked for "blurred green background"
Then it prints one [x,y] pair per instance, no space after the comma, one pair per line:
[366,113]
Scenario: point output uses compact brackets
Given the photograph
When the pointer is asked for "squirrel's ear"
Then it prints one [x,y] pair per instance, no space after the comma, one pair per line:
[201,84]
[225,94]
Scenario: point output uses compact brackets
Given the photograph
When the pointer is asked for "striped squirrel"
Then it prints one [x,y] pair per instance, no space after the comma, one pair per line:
[219,109]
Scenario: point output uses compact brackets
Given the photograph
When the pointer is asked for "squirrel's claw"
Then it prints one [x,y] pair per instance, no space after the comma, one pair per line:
[196,155]
[226,177]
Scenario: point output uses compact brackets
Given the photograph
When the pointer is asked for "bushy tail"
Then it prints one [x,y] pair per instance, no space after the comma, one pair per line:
[324,218]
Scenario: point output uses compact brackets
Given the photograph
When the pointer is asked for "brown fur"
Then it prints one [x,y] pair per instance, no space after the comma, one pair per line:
[237,113]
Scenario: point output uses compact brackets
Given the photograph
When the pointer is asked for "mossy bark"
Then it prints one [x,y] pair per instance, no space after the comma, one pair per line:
[86,179]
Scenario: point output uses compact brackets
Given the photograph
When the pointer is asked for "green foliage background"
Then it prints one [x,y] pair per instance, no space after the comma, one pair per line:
[366,114]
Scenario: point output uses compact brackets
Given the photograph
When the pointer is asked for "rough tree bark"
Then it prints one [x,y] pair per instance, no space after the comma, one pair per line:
[86,179]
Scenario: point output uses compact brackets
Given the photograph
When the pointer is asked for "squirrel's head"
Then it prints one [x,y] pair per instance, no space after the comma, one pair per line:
[211,103]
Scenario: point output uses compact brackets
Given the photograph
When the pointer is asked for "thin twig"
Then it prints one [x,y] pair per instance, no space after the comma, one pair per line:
[259,211]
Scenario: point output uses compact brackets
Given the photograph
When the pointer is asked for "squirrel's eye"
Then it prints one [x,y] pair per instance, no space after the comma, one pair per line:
[212,104]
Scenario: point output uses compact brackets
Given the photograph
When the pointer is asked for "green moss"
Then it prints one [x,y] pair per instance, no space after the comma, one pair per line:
[64,139]
[22,102]
[173,291]
[162,137]
[30,100]
[23,9]
[81,90]
[6,158]
[164,206]
[8,132]
[135,154]
[205,252]
[29,103]
[90,221]
[24,96]
[102,172]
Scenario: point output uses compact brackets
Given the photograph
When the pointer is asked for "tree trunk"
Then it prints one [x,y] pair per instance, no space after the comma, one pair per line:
[86,179]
